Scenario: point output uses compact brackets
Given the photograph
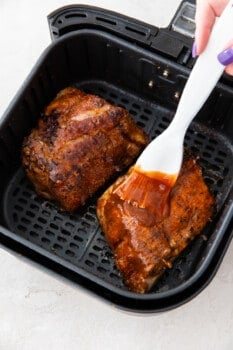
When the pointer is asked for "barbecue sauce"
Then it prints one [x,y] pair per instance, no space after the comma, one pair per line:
[149,190]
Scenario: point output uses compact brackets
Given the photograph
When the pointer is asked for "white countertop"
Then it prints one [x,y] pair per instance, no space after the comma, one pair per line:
[39,309]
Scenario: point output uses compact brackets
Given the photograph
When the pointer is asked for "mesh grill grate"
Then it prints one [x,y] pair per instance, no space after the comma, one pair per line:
[77,238]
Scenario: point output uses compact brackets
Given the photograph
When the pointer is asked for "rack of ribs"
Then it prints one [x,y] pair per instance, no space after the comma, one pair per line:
[80,142]
[144,243]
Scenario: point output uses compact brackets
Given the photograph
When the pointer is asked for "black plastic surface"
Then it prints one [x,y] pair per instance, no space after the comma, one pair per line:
[148,84]
[70,18]
[165,41]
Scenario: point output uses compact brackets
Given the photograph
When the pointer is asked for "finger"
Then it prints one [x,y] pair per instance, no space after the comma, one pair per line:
[229,69]
[226,57]
[206,13]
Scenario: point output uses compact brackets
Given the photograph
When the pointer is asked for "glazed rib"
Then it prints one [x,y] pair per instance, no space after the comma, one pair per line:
[80,143]
[146,244]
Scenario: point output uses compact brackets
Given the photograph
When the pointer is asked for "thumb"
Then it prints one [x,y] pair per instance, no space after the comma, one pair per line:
[204,19]
[206,13]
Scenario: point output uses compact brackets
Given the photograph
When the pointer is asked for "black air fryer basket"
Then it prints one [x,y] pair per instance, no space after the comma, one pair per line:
[143,69]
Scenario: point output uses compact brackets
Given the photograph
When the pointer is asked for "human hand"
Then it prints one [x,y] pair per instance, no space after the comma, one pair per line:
[206,13]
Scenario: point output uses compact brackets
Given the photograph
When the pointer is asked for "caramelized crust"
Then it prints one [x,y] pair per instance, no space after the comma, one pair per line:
[79,143]
[145,244]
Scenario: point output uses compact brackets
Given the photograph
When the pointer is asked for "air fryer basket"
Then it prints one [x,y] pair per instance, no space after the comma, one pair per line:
[143,69]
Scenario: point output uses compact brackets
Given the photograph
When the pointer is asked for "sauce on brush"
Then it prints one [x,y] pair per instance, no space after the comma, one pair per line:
[149,190]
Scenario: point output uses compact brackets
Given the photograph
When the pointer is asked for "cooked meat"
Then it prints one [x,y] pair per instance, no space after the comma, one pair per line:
[80,142]
[145,243]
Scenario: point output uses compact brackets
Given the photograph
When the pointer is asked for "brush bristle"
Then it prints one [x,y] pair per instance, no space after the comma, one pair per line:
[149,191]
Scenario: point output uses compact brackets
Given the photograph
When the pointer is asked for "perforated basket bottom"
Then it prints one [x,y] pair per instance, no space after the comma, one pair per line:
[77,238]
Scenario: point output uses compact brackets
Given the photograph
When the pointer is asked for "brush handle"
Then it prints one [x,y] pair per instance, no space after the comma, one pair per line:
[165,153]
[206,72]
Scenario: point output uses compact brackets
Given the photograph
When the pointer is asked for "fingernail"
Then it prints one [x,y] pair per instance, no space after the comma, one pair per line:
[226,57]
[194,50]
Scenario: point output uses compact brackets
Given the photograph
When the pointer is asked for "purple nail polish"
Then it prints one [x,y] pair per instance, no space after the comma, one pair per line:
[194,50]
[226,57]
